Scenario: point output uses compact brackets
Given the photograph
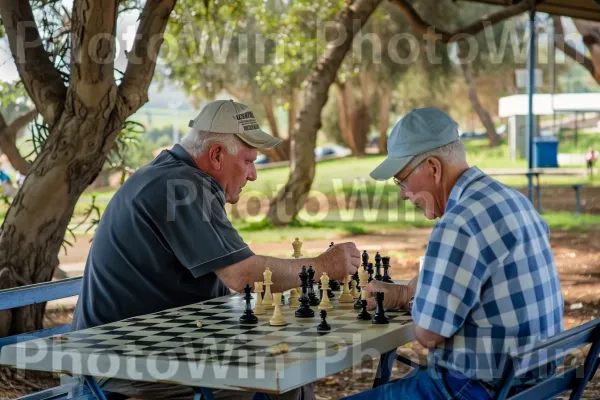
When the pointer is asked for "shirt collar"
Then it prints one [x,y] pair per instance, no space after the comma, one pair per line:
[180,154]
[468,177]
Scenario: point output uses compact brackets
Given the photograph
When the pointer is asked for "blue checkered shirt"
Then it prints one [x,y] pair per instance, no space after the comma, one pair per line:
[488,282]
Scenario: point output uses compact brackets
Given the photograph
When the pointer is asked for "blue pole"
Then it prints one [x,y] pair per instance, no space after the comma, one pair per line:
[531,91]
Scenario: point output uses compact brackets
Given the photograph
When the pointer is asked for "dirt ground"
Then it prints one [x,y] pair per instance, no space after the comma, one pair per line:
[577,258]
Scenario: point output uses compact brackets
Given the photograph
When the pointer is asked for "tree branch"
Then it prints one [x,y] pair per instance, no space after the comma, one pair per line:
[142,59]
[40,78]
[8,140]
[423,27]
[569,50]
[93,27]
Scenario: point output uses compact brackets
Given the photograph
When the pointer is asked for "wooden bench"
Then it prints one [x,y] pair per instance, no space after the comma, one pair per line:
[573,380]
[40,293]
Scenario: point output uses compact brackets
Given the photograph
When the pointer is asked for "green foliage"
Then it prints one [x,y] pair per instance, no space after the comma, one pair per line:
[14,100]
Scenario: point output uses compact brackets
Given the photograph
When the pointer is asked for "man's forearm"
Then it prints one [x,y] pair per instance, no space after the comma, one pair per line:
[285,272]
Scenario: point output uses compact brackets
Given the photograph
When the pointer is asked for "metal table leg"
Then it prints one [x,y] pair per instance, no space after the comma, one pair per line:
[95,389]
[384,369]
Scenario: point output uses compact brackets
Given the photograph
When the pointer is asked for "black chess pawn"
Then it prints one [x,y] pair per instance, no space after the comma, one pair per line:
[304,310]
[248,317]
[378,276]
[380,317]
[331,245]
[314,300]
[371,271]
[364,315]
[386,270]
[323,326]
[335,285]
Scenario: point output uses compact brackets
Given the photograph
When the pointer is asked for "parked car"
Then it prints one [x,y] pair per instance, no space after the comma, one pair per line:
[331,150]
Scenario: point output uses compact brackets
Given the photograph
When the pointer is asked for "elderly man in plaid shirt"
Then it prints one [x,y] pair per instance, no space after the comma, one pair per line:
[488,286]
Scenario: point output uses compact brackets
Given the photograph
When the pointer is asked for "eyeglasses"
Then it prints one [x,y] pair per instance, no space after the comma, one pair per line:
[400,182]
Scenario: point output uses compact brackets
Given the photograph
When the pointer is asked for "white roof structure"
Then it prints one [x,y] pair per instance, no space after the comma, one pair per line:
[547,104]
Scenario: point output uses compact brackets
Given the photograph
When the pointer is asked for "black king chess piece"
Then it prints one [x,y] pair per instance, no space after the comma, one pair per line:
[323,326]
[314,300]
[378,276]
[364,315]
[248,317]
[386,270]
[380,317]
[304,310]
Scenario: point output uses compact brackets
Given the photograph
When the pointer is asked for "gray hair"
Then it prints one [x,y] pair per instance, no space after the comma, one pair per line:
[197,142]
[451,153]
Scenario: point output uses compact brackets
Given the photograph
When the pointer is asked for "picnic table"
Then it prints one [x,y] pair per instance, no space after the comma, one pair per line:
[168,346]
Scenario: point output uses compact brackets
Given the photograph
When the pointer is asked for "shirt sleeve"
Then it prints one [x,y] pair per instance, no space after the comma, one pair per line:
[197,229]
[450,281]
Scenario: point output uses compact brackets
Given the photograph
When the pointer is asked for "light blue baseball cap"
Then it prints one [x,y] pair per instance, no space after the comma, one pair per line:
[421,130]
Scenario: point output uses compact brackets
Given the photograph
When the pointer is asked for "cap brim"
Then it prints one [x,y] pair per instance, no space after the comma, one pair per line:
[390,167]
[259,139]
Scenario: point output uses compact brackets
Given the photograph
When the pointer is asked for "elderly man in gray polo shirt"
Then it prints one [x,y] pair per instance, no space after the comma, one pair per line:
[165,240]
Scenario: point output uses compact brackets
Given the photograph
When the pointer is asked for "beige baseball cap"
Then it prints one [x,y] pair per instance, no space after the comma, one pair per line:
[227,116]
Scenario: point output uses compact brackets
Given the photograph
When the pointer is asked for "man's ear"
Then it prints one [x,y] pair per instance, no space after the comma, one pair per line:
[436,168]
[215,156]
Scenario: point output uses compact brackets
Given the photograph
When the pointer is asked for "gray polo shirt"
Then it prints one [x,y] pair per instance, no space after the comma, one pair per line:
[160,240]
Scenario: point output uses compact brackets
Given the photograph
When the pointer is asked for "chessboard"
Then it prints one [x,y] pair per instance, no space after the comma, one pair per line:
[204,344]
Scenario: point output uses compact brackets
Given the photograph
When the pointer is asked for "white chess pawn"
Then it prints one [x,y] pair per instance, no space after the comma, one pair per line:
[259,309]
[277,318]
[355,293]
[325,303]
[268,298]
[294,302]
[346,297]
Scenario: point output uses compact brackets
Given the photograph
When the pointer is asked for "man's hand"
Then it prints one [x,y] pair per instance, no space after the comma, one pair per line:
[340,261]
[395,296]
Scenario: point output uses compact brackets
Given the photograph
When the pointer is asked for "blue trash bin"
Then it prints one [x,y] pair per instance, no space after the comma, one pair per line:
[545,152]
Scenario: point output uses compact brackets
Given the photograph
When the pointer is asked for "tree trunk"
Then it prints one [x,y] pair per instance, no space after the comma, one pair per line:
[292,111]
[354,117]
[484,116]
[8,140]
[85,120]
[281,152]
[384,93]
[290,200]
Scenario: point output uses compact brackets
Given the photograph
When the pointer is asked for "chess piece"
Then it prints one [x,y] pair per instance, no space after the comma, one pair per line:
[331,245]
[363,278]
[380,317]
[325,303]
[248,317]
[297,245]
[323,326]
[371,271]
[354,293]
[386,270]
[268,297]
[378,275]
[314,300]
[293,300]
[365,260]
[277,318]
[282,299]
[259,308]
[364,315]
[334,285]
[346,296]
[304,310]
